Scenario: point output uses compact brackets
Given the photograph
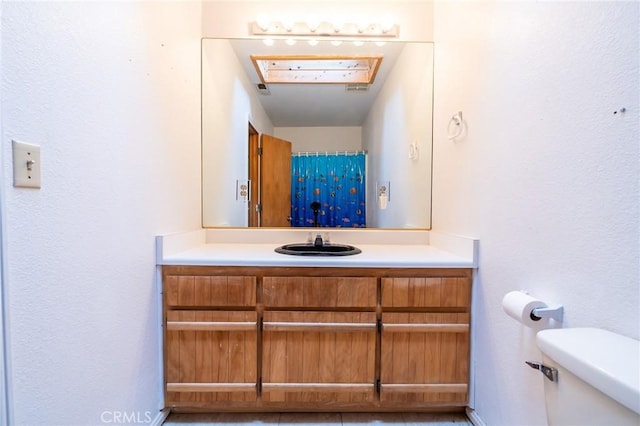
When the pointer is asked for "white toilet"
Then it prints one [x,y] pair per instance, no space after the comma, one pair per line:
[598,377]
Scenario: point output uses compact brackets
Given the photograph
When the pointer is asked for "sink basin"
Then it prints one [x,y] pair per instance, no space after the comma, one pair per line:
[305,249]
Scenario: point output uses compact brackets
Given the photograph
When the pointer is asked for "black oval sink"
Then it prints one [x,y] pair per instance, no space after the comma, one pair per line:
[302,249]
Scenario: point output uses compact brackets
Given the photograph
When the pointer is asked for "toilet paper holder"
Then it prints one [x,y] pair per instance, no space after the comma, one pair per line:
[556,313]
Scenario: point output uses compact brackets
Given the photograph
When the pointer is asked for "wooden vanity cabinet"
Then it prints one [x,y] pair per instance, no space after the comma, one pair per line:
[316,339]
[425,340]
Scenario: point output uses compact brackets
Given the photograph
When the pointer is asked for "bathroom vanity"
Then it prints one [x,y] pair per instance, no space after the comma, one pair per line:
[271,332]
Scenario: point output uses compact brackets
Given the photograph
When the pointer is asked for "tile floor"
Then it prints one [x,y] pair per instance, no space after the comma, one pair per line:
[318,419]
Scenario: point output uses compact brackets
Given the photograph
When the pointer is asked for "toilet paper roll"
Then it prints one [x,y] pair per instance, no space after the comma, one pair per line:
[519,306]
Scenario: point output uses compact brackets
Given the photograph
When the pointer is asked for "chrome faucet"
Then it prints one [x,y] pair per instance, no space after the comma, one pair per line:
[318,242]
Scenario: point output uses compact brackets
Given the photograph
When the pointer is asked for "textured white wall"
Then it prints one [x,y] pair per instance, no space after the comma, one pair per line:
[304,139]
[229,103]
[400,116]
[546,177]
[111,93]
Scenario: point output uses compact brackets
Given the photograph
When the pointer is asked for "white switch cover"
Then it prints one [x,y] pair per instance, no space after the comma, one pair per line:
[26,165]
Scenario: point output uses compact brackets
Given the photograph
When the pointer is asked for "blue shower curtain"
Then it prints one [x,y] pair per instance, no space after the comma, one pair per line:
[337,182]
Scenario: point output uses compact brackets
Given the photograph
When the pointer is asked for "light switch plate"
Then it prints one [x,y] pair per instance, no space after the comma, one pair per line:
[26,165]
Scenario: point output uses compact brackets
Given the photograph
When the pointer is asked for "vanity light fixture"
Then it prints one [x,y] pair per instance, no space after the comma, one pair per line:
[373,30]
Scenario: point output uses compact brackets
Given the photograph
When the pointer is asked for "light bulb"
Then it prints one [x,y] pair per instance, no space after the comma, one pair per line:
[313,25]
[337,25]
[361,26]
[287,24]
[263,23]
[386,24]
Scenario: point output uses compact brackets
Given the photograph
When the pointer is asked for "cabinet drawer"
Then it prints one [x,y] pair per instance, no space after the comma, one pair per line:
[426,292]
[221,291]
[319,292]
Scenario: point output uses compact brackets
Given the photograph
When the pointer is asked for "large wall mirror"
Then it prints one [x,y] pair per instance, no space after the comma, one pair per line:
[386,124]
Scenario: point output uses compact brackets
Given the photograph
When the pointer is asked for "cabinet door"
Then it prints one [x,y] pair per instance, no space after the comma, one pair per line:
[424,358]
[210,356]
[320,357]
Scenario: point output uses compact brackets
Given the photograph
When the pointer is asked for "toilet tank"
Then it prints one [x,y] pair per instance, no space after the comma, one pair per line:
[598,377]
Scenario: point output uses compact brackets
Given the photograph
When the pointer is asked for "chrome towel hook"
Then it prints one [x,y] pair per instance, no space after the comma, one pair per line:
[456,119]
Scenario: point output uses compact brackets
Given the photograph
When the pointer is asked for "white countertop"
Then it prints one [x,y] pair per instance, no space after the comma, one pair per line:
[380,249]
[406,256]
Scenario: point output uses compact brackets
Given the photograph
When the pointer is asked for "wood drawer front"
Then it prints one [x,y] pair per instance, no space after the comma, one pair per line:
[426,292]
[319,292]
[424,358]
[221,291]
[322,357]
[210,356]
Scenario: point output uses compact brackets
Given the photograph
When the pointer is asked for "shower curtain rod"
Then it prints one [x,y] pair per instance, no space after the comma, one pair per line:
[317,153]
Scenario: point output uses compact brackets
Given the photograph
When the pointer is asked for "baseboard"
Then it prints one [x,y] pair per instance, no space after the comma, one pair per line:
[474,417]
[160,418]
